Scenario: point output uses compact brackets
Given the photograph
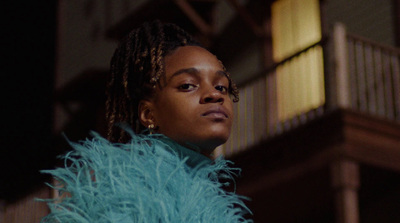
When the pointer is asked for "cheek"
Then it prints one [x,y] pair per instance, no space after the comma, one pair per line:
[169,112]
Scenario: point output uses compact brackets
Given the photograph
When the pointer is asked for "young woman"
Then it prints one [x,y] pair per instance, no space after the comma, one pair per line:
[177,97]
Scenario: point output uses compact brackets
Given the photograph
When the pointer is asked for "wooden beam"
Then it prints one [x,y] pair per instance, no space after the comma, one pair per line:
[245,15]
[198,21]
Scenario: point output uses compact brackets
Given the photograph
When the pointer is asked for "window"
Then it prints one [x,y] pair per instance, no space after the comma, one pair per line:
[296,25]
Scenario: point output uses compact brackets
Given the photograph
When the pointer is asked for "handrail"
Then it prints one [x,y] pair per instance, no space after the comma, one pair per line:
[273,67]
[256,115]
[363,76]
[393,49]
[374,74]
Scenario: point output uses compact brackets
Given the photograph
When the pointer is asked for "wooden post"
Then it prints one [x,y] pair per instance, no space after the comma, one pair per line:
[341,66]
[346,181]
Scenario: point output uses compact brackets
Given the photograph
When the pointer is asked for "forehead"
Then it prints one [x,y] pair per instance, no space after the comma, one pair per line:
[191,57]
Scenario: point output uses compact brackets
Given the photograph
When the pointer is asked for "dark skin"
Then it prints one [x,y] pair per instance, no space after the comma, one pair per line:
[193,106]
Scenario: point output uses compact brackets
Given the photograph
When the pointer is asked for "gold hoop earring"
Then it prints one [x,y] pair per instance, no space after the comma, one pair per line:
[151,128]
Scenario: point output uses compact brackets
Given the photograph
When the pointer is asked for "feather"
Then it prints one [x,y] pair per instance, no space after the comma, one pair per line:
[151,179]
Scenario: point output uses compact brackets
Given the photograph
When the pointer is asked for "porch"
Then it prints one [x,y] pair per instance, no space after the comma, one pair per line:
[338,162]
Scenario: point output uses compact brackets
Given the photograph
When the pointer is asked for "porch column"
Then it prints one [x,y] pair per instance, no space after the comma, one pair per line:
[341,66]
[345,182]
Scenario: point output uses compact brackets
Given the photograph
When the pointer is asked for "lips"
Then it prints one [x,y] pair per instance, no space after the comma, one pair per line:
[218,113]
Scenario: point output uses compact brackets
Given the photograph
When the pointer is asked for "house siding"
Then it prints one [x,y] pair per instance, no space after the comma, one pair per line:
[369,18]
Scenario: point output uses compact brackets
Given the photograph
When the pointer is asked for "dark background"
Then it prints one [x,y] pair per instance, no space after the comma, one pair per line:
[28,62]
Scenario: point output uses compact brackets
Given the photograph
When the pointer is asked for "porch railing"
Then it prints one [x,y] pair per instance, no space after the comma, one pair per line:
[358,74]
[374,77]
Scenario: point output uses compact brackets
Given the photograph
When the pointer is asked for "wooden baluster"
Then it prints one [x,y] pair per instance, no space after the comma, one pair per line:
[388,86]
[361,81]
[396,85]
[380,94]
[370,80]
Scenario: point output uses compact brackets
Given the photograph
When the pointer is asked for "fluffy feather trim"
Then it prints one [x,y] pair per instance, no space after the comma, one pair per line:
[147,180]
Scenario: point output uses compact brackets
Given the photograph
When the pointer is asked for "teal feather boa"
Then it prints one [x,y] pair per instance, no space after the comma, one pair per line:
[149,180]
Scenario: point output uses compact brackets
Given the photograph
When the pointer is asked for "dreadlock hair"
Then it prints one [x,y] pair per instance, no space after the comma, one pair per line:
[136,68]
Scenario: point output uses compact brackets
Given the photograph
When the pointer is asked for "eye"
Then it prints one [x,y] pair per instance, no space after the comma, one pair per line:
[187,87]
[221,88]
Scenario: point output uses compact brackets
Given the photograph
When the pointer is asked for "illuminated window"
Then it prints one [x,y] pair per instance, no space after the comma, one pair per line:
[300,84]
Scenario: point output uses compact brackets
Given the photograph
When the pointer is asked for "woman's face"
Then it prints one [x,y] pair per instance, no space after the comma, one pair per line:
[193,107]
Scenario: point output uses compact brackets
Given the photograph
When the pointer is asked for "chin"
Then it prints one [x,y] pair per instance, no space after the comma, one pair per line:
[208,144]
[202,138]
[220,135]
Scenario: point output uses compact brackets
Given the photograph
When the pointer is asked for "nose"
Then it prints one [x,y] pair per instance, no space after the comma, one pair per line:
[212,95]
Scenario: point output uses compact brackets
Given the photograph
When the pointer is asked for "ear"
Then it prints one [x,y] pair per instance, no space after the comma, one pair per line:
[146,112]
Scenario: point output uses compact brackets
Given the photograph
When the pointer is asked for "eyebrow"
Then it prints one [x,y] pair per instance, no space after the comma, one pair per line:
[194,71]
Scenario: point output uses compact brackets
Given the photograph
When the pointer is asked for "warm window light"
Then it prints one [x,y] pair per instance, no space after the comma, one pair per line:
[295,26]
